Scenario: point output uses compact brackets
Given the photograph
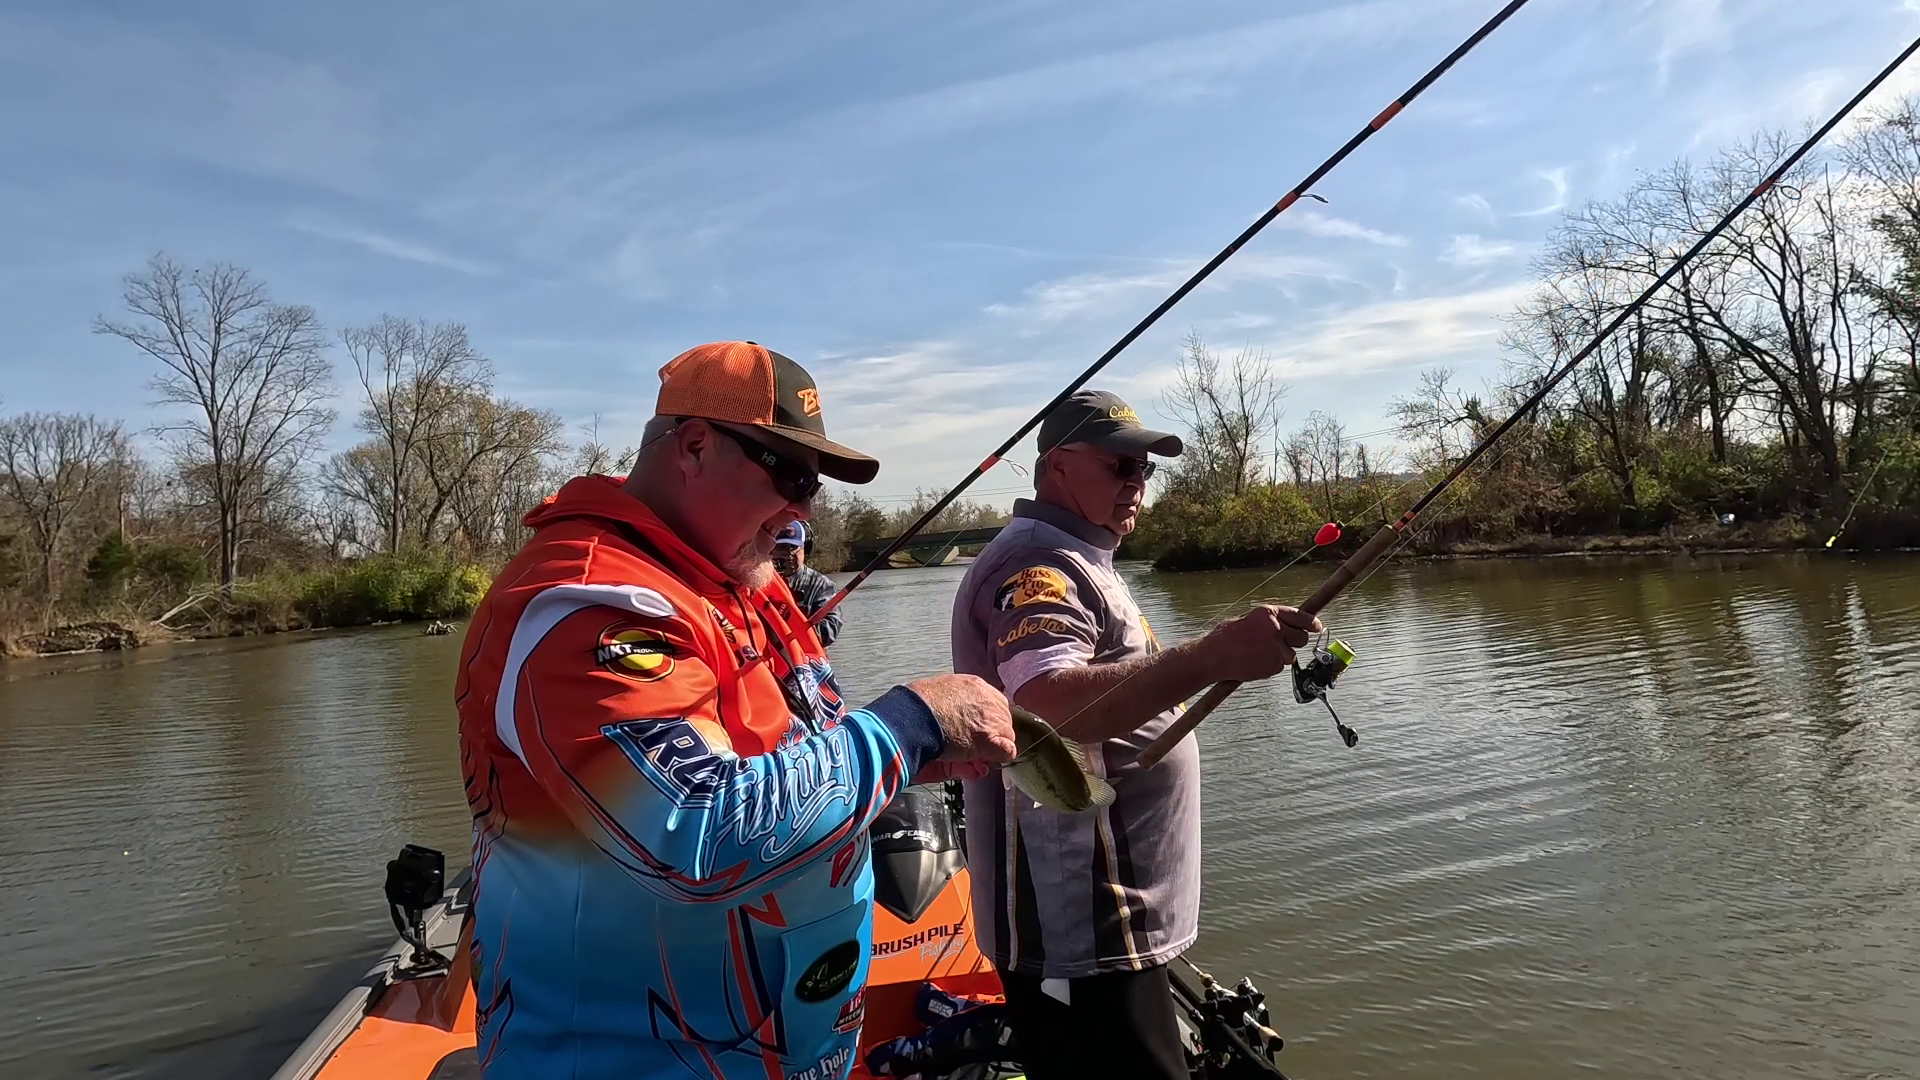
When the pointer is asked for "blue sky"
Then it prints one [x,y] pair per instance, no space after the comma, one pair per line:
[944,210]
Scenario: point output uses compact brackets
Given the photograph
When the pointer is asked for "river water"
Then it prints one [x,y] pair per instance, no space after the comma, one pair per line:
[1611,818]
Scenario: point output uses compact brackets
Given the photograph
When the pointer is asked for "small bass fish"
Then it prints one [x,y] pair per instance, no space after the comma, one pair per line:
[1052,771]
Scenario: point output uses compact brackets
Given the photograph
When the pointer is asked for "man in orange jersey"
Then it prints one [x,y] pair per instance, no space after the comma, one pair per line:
[670,800]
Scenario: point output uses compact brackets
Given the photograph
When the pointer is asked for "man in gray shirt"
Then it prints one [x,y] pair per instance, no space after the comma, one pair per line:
[1082,912]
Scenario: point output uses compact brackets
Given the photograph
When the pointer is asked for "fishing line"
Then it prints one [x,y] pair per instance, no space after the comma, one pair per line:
[1865,486]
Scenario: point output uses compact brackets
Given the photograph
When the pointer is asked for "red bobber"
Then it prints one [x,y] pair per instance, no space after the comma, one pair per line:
[1328,534]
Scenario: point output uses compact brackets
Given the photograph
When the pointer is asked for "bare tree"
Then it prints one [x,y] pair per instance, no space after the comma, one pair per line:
[52,464]
[481,466]
[1319,457]
[1442,420]
[1613,388]
[1886,158]
[416,378]
[595,457]
[253,373]
[1789,310]
[1228,410]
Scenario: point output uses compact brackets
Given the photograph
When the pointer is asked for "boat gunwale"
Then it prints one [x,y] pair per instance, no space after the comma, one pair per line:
[346,1016]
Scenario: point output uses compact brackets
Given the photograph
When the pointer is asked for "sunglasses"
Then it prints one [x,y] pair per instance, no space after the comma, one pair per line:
[793,480]
[1126,468]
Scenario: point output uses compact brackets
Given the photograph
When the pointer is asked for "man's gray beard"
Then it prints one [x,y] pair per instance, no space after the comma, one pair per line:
[750,568]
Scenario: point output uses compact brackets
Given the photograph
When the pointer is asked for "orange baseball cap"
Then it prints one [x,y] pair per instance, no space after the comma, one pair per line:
[746,383]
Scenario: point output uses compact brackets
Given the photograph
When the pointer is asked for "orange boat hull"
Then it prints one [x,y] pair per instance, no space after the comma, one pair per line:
[413,1025]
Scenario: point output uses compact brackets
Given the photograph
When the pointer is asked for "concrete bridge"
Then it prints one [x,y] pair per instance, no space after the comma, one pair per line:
[923,547]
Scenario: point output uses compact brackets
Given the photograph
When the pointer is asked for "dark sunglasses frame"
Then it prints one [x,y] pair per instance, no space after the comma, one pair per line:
[1127,468]
[793,480]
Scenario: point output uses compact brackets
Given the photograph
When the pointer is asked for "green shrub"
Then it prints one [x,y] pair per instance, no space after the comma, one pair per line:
[111,563]
[176,566]
[384,588]
[412,585]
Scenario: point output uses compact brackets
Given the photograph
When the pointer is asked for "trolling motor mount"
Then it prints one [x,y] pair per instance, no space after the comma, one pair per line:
[415,882]
[1311,683]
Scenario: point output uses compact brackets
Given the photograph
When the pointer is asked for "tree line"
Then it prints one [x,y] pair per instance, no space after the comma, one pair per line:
[236,501]
[236,517]
[1767,394]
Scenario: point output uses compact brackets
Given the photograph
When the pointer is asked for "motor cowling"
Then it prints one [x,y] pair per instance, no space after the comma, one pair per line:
[917,849]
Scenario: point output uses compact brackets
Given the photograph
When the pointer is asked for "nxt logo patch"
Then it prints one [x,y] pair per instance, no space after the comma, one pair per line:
[829,974]
[1034,585]
[635,653]
[1031,625]
[810,401]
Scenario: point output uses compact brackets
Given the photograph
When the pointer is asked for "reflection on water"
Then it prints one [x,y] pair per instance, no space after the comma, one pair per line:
[1616,817]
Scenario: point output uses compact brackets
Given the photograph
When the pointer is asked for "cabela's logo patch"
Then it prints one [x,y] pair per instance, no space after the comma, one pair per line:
[828,975]
[1031,625]
[634,653]
[1034,585]
[1122,412]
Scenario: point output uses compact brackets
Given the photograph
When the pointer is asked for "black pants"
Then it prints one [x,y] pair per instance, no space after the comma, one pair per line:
[1119,1026]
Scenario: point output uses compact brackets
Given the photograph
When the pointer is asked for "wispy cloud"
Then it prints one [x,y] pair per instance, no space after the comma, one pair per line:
[1468,249]
[1686,27]
[1170,69]
[1399,334]
[643,215]
[187,93]
[1097,294]
[1556,179]
[964,396]
[391,246]
[1318,224]
[1244,322]
[1478,204]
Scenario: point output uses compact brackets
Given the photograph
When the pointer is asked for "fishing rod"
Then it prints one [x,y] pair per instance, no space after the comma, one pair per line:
[1299,191]
[1325,666]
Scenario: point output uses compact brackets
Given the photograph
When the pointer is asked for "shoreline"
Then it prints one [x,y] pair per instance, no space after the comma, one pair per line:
[1538,547]
[111,636]
[108,635]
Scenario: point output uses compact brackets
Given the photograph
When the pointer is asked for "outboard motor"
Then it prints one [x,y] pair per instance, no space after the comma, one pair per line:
[917,849]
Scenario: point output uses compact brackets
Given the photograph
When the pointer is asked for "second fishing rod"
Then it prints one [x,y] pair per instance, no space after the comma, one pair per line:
[1377,547]
[1300,190]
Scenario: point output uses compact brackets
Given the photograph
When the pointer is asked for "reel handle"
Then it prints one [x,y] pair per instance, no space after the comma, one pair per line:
[1356,563]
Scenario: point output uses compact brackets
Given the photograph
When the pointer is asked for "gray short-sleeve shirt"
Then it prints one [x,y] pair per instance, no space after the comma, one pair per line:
[1110,889]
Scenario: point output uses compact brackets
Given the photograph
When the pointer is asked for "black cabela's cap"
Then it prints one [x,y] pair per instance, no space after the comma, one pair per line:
[1103,420]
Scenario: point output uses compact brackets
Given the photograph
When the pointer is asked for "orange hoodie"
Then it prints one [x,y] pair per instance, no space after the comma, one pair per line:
[666,839]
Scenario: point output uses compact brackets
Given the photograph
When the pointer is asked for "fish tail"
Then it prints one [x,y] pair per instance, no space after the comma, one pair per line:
[1099,791]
